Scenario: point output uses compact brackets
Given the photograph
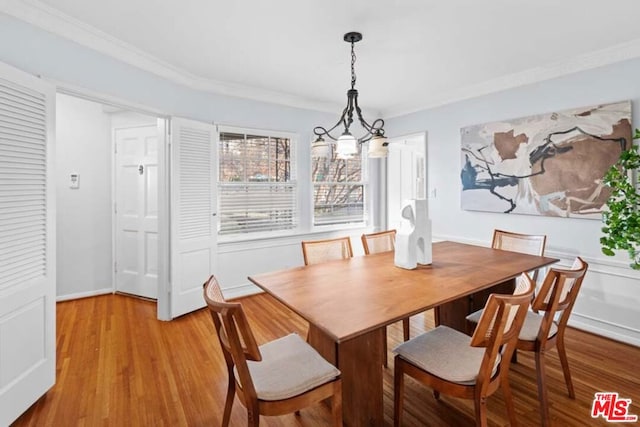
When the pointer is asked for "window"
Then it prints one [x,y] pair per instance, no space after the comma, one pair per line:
[338,190]
[256,185]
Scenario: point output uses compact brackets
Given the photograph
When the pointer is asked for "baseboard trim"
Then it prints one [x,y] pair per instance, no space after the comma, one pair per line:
[240,291]
[79,295]
[614,331]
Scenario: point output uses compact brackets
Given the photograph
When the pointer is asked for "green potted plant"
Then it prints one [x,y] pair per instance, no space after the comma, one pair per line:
[622,219]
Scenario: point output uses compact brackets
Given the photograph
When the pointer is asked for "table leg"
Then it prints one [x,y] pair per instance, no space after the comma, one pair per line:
[360,362]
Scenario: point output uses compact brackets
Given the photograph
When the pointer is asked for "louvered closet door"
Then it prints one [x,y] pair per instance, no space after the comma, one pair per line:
[193,215]
[27,242]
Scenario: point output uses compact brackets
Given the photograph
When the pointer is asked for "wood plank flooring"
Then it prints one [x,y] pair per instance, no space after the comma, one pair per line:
[119,366]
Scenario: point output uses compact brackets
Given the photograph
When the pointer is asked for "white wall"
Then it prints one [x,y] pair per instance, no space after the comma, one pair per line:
[61,60]
[609,302]
[83,146]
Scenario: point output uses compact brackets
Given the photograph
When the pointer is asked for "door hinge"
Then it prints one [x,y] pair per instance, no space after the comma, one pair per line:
[115,208]
[115,267]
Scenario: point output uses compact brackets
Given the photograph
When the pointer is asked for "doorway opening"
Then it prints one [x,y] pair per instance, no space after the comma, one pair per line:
[406,174]
[107,194]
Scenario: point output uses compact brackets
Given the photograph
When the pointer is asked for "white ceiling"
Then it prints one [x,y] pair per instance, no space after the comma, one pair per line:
[415,53]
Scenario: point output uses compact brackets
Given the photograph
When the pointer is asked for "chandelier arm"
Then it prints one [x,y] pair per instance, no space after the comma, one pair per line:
[376,128]
[321,131]
[363,122]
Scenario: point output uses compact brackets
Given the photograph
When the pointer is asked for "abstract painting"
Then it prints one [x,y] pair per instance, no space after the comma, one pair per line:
[548,164]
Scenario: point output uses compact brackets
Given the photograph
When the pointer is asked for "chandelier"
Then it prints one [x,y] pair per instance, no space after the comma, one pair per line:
[346,144]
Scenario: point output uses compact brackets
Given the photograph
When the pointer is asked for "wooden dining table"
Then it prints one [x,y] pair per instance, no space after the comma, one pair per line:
[349,302]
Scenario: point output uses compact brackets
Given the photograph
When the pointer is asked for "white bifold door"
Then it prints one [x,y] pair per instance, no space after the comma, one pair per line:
[193,216]
[27,242]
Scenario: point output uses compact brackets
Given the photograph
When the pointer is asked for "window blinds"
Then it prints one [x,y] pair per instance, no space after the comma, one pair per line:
[257,190]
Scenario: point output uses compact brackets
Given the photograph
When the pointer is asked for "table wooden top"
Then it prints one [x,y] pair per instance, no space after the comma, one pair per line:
[351,297]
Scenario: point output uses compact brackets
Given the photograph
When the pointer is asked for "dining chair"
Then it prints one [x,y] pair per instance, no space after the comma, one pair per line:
[542,332]
[455,364]
[276,378]
[319,251]
[532,244]
[383,241]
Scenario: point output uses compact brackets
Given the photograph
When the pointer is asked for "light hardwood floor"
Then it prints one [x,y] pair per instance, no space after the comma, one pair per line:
[119,366]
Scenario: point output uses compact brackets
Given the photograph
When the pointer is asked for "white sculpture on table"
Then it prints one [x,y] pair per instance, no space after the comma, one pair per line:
[413,239]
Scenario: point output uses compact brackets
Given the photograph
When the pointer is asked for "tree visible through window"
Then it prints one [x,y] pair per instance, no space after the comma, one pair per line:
[257,189]
[339,187]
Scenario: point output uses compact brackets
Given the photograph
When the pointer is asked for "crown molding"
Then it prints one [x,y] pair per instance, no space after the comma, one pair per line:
[588,61]
[50,19]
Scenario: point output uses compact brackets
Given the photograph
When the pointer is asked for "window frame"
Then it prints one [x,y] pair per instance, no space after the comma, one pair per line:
[293,181]
[366,211]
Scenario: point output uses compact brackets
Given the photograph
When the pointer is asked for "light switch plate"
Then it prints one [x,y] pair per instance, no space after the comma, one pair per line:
[74,180]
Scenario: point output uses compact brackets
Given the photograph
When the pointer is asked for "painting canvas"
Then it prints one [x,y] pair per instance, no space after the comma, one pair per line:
[548,164]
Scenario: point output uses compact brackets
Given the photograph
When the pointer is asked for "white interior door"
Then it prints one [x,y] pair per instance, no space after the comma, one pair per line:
[27,242]
[137,210]
[406,174]
[193,213]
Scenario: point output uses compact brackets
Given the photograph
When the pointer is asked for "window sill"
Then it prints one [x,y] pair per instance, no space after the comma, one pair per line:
[238,242]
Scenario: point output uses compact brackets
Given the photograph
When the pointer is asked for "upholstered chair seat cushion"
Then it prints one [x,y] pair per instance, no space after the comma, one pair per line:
[289,367]
[475,316]
[531,326]
[445,353]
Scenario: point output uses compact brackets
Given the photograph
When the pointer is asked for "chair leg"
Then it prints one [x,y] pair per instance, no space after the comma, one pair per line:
[398,391]
[508,399]
[405,329]
[253,416]
[228,403]
[480,404]
[542,389]
[336,405]
[384,348]
[565,365]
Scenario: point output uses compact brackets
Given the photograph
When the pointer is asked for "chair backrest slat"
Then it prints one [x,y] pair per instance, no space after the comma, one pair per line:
[319,251]
[531,244]
[382,241]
